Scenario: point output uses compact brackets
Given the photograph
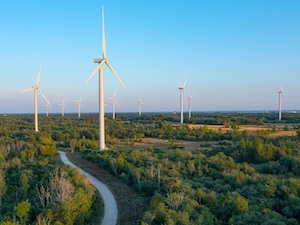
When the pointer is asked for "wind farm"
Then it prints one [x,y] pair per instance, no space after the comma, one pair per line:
[224,150]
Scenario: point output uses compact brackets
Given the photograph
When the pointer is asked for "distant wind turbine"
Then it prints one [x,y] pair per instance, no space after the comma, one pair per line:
[190,105]
[79,105]
[280,103]
[36,89]
[114,101]
[140,106]
[101,88]
[63,107]
[48,106]
[181,88]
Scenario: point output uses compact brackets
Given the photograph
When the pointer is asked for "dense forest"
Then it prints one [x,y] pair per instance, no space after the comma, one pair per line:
[198,175]
[35,188]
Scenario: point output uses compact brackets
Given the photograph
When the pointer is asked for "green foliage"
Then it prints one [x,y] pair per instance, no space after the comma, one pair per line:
[28,165]
[22,211]
[235,177]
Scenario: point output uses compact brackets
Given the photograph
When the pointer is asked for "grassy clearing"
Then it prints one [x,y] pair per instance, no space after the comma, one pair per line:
[250,128]
[166,145]
[131,205]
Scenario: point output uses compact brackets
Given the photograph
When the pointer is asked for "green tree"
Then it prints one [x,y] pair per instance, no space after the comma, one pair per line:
[24,184]
[22,211]
[3,187]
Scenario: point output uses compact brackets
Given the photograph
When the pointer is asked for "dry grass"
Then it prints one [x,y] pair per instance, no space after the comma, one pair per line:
[223,128]
[283,133]
[251,128]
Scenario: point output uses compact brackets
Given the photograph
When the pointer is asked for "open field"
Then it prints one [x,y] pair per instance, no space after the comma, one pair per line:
[251,128]
[165,145]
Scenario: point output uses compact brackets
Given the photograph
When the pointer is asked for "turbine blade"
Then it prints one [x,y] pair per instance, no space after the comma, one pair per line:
[184,83]
[115,94]
[114,72]
[39,76]
[28,89]
[95,70]
[103,35]
[179,84]
[43,96]
[117,103]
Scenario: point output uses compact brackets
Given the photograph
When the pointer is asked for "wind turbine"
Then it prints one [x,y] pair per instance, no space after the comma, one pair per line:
[114,101]
[280,103]
[101,88]
[181,88]
[79,105]
[140,106]
[63,107]
[36,89]
[48,106]
[190,104]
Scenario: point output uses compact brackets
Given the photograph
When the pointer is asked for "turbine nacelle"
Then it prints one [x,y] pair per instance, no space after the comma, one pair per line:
[182,86]
[98,60]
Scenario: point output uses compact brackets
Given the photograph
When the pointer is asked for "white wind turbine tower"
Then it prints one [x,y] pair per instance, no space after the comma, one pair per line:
[101,88]
[79,105]
[63,107]
[140,106]
[36,89]
[181,88]
[48,106]
[114,101]
[280,103]
[190,105]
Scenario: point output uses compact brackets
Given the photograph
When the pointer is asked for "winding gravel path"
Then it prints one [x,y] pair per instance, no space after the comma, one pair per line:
[110,205]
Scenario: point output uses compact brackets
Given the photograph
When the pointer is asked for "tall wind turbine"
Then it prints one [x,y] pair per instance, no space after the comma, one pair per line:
[36,89]
[101,88]
[181,88]
[280,103]
[79,105]
[63,107]
[190,105]
[114,101]
[140,106]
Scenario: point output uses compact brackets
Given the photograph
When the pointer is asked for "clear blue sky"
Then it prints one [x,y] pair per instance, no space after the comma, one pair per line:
[235,54]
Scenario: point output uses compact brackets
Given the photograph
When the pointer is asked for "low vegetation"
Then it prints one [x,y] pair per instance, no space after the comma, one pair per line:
[211,172]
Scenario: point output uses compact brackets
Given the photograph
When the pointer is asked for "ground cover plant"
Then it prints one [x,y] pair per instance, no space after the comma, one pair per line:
[218,168]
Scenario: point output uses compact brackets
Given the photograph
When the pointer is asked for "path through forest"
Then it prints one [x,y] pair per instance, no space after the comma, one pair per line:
[110,205]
